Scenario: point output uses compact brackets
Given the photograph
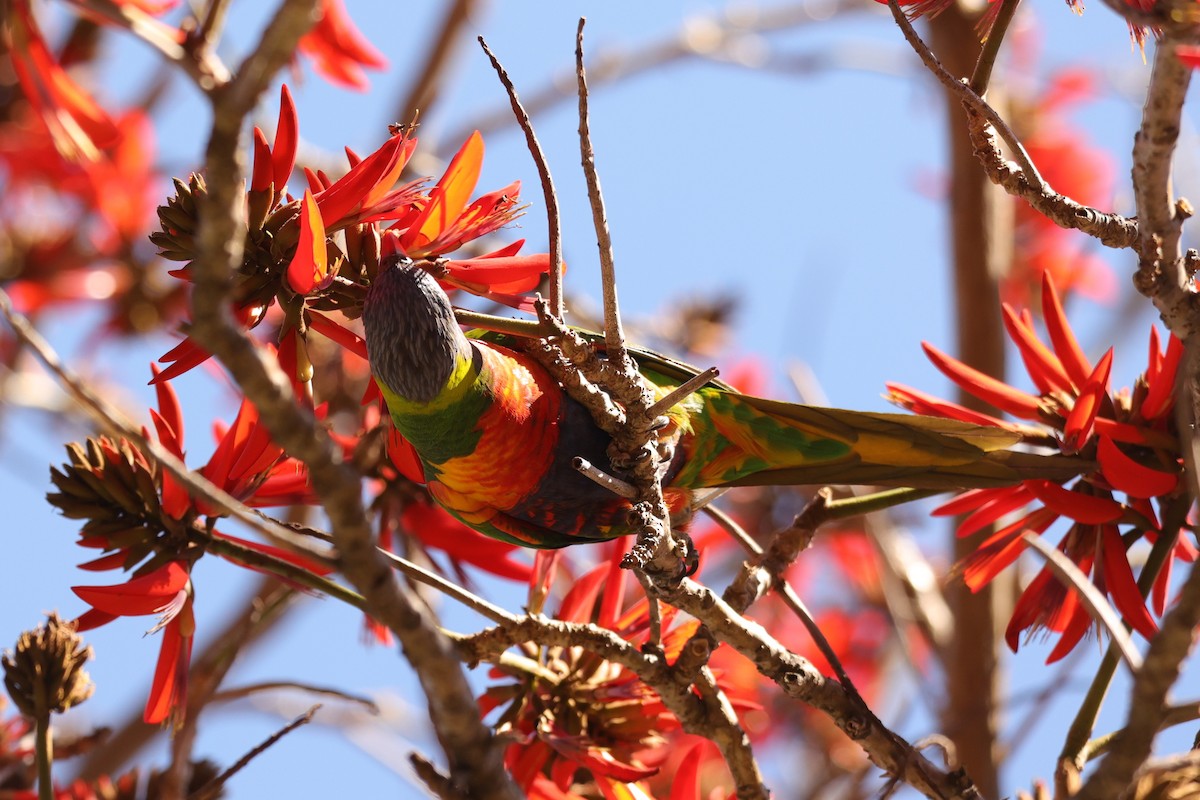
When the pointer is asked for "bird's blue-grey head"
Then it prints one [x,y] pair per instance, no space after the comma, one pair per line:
[413,340]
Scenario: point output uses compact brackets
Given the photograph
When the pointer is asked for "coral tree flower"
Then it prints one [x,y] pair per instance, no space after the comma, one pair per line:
[167,591]
[138,513]
[1129,435]
[326,247]
[339,50]
[581,712]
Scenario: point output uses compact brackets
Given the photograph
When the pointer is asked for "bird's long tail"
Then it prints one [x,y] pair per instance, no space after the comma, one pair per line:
[748,441]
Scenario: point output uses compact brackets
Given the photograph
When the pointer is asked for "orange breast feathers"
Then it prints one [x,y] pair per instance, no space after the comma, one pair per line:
[519,432]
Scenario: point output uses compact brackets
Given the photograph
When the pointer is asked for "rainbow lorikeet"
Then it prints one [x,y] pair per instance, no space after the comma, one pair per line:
[497,435]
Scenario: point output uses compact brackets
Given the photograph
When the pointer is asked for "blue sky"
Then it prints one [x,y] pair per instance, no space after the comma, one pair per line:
[795,192]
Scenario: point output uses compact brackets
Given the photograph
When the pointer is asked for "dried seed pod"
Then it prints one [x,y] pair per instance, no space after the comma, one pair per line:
[44,673]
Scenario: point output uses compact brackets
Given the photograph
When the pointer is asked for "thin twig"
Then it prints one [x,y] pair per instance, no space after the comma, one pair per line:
[1084,723]
[967,96]
[1177,714]
[213,788]
[1073,578]
[249,690]
[679,393]
[1159,672]
[553,215]
[211,23]
[449,588]
[982,74]
[800,680]
[614,336]
[601,478]
[716,37]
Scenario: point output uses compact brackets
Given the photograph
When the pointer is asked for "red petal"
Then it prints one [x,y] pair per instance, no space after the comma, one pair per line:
[260,177]
[91,619]
[580,601]
[969,501]
[1002,549]
[1078,427]
[287,137]
[1132,434]
[919,402]
[404,457]
[175,498]
[296,559]
[448,198]
[339,334]
[686,783]
[338,49]
[110,561]
[1160,394]
[1072,634]
[510,274]
[1188,55]
[140,596]
[375,173]
[185,355]
[984,516]
[1042,365]
[614,589]
[170,674]
[1089,509]
[1065,345]
[435,527]
[1162,584]
[1127,475]
[309,266]
[985,387]
[1120,583]
[168,407]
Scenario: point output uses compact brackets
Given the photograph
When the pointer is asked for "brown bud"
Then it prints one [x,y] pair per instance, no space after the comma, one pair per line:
[44,673]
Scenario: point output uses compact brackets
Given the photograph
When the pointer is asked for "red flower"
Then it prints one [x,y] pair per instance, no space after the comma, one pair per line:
[167,591]
[338,50]
[310,266]
[1073,166]
[365,193]
[593,714]
[78,126]
[246,463]
[1129,435]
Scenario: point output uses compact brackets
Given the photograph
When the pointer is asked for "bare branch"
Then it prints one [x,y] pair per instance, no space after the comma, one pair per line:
[1163,274]
[553,216]
[801,680]
[1021,179]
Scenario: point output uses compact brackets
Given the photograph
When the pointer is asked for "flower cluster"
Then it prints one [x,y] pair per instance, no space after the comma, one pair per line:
[580,721]
[1130,437]
[294,259]
[144,521]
